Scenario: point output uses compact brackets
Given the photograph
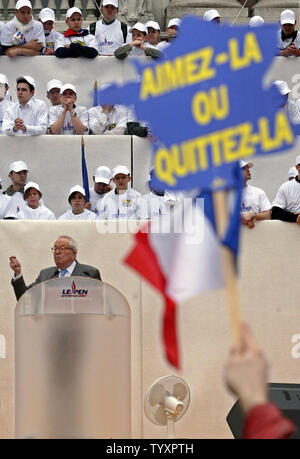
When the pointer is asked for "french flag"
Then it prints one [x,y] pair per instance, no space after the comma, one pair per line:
[183,259]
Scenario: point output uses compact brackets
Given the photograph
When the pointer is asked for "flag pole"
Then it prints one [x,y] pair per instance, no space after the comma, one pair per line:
[95,101]
[85,179]
[228,264]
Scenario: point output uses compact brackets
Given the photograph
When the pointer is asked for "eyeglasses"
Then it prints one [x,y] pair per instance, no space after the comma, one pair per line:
[59,249]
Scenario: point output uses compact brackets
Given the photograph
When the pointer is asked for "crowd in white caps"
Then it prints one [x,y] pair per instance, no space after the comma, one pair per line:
[31,116]
[26,36]
[111,198]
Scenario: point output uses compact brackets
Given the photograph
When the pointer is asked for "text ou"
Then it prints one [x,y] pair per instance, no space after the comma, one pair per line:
[211,104]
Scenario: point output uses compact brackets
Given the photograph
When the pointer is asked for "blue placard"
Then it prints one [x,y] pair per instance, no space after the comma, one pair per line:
[206,103]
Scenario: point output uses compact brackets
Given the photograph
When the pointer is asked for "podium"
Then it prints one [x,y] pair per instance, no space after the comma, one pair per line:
[72,361]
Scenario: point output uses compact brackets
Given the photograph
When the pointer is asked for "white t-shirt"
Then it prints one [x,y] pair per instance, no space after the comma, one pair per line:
[288,196]
[293,111]
[4,105]
[156,205]
[50,39]
[127,206]
[85,215]
[162,45]
[95,199]
[41,213]
[4,200]
[254,199]
[110,37]
[113,123]
[68,128]
[9,29]
[283,44]
[15,205]
[86,40]
[33,114]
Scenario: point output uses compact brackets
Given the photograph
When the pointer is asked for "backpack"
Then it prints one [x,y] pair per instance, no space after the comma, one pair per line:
[123,27]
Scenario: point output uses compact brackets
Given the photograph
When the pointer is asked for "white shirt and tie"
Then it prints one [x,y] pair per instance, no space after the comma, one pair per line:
[68,271]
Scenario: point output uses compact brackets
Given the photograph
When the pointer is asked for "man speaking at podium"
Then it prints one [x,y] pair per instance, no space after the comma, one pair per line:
[64,252]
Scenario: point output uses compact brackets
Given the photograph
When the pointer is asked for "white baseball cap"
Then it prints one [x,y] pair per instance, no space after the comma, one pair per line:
[21,3]
[28,78]
[102,175]
[282,87]
[210,15]
[3,79]
[152,24]
[68,86]
[120,170]
[245,163]
[76,189]
[293,171]
[46,14]
[111,2]
[18,166]
[73,10]
[174,22]
[139,26]
[287,17]
[256,21]
[54,84]
[32,185]
[297,160]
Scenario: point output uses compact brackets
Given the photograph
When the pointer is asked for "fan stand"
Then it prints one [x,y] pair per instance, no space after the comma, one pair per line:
[171,426]
[166,401]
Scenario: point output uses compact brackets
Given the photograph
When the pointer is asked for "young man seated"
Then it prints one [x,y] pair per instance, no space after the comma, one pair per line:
[28,116]
[288,39]
[67,118]
[122,202]
[77,200]
[34,208]
[109,32]
[139,46]
[107,119]
[76,42]
[5,103]
[47,18]
[172,32]
[22,36]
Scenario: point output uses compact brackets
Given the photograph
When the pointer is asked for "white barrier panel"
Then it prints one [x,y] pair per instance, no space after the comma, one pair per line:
[55,161]
[268,286]
[141,163]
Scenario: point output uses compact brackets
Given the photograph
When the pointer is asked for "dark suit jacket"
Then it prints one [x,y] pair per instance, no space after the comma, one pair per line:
[50,273]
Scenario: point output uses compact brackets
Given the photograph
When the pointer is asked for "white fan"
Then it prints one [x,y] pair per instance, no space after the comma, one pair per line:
[166,401]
